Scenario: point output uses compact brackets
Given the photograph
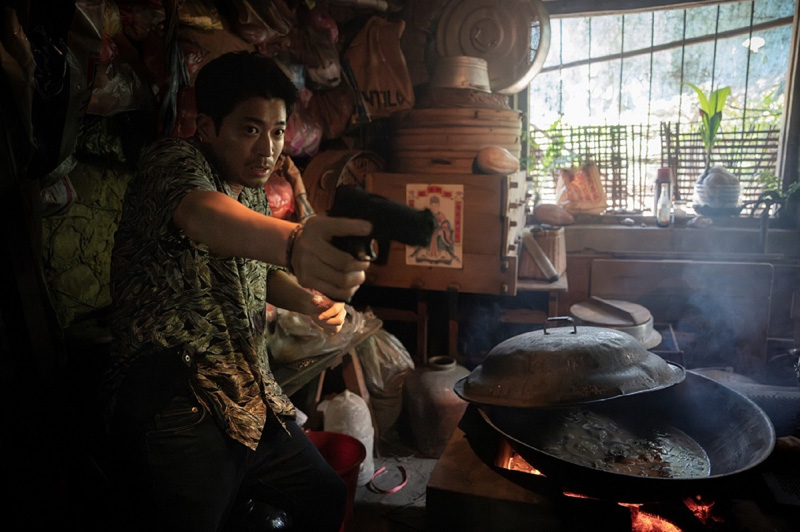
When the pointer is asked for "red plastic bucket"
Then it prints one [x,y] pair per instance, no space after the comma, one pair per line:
[344,453]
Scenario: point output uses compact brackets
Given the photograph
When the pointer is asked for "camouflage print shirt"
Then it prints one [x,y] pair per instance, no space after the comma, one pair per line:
[172,296]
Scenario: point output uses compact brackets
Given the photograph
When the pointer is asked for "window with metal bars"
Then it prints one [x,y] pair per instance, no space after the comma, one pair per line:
[614,91]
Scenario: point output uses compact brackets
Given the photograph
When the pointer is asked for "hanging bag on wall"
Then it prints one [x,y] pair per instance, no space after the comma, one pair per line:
[379,68]
[580,190]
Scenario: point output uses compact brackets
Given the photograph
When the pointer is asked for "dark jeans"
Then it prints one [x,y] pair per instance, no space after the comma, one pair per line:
[181,472]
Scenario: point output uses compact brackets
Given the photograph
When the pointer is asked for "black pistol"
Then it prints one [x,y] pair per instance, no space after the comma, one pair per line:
[391,220]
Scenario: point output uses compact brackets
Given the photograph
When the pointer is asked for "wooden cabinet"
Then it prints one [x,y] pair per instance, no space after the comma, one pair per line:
[719,310]
[493,215]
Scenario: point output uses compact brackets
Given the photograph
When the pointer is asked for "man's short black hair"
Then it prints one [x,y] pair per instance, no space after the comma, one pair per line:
[233,77]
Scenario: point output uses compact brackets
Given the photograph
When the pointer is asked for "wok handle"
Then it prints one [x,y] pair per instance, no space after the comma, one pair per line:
[560,318]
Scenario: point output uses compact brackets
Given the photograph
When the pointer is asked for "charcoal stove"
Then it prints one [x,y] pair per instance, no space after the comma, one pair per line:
[476,486]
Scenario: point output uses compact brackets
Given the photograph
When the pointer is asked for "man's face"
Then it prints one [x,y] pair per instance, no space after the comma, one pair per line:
[248,143]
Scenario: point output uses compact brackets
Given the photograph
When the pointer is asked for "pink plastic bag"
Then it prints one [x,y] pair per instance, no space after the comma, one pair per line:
[280,195]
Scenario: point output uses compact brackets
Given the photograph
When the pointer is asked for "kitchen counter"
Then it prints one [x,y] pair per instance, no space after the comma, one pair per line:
[711,243]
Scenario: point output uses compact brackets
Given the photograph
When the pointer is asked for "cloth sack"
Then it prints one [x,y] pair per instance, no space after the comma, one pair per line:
[379,67]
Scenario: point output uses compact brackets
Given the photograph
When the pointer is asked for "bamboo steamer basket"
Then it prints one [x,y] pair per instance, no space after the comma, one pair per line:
[438,162]
[461,72]
[458,117]
[455,138]
[447,140]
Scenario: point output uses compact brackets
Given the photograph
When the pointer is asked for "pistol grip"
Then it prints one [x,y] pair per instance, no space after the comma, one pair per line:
[357,246]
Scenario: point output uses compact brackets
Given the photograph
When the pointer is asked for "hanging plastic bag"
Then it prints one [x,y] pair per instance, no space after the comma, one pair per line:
[59,197]
[348,413]
[332,109]
[266,25]
[580,191]
[64,78]
[286,192]
[321,60]
[280,195]
[386,364]
[303,132]
[380,69]
[295,336]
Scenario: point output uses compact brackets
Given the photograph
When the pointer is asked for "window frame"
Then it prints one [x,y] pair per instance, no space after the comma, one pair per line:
[788,165]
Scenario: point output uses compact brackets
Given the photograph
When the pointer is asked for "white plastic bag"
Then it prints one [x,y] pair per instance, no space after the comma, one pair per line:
[348,413]
[387,364]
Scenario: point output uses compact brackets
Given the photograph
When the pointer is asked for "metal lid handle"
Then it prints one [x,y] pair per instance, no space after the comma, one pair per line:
[560,318]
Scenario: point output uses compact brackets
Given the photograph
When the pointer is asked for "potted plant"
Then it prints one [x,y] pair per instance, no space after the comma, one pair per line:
[711,116]
[716,189]
[782,204]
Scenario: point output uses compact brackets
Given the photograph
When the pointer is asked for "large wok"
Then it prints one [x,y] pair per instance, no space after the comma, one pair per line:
[733,431]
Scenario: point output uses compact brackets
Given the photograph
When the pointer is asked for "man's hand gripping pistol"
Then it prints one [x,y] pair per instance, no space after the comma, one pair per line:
[390,220]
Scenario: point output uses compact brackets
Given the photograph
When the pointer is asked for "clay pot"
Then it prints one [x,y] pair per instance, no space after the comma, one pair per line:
[434,409]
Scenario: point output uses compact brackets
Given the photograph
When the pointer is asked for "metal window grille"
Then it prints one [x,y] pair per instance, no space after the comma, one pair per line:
[628,164]
[628,156]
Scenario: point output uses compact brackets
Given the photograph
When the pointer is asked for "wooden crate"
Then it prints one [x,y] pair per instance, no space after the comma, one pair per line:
[554,247]
[494,214]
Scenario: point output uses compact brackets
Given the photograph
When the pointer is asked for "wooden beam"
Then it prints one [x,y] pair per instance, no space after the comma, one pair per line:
[577,8]
[788,159]
[785,21]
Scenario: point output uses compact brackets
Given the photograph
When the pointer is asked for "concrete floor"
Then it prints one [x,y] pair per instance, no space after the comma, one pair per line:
[403,511]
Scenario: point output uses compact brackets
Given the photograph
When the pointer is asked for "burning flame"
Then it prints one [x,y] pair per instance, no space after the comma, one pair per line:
[701,510]
[646,522]
[641,521]
[517,463]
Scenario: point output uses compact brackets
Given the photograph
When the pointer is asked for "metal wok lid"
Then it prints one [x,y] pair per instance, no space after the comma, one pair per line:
[566,365]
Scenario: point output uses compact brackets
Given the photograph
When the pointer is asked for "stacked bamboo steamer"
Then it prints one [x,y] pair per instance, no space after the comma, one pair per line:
[449,126]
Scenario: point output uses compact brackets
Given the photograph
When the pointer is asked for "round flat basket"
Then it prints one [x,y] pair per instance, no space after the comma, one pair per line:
[331,168]
[513,36]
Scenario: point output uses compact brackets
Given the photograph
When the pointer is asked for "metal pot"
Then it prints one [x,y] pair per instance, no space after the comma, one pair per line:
[734,433]
[566,365]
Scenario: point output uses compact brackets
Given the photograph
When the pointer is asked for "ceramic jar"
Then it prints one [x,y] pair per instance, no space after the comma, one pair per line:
[434,409]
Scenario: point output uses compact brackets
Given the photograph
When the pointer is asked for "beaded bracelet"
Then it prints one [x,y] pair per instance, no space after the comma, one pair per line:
[290,246]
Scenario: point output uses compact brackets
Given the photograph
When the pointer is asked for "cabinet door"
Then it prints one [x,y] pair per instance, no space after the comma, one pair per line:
[720,311]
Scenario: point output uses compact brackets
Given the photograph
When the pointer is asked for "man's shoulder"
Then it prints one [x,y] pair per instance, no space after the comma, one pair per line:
[170,148]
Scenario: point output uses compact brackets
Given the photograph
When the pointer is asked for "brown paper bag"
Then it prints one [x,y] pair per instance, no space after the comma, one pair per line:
[580,191]
[380,69]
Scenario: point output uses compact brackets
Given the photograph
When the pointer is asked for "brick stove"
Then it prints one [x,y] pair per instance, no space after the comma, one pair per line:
[472,488]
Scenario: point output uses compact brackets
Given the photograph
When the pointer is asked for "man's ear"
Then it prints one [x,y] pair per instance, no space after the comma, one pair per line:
[205,127]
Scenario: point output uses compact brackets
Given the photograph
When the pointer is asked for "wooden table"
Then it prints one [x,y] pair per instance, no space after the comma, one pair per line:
[295,375]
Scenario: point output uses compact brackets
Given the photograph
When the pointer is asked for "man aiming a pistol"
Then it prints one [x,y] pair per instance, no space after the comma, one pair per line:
[199,426]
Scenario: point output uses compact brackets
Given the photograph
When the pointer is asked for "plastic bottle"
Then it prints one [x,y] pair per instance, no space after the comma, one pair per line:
[664,206]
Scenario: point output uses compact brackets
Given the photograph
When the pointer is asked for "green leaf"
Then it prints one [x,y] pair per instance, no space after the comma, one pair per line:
[717,99]
[711,114]
[701,97]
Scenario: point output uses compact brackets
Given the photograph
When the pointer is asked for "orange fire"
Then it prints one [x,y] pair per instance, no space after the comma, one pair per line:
[701,509]
[516,463]
[646,522]
[641,521]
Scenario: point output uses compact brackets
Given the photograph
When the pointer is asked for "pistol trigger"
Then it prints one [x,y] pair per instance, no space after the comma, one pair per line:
[373,249]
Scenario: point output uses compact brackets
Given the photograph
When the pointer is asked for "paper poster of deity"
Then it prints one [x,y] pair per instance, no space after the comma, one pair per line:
[447,204]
